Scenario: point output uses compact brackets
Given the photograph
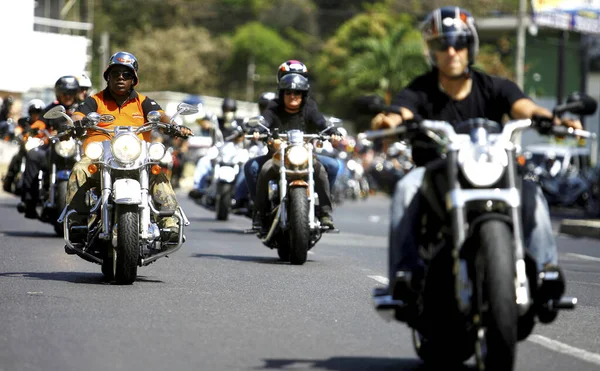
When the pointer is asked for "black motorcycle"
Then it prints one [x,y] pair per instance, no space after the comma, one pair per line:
[481,291]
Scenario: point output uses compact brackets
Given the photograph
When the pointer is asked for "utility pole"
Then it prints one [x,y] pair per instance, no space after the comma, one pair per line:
[103,54]
[250,72]
[520,54]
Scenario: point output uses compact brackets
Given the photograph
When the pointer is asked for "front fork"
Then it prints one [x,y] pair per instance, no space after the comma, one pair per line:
[457,212]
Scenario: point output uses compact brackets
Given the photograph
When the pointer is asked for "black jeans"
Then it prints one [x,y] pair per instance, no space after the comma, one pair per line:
[270,172]
[14,166]
[36,161]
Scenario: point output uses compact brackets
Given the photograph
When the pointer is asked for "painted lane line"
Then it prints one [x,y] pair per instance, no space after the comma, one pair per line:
[583,257]
[559,347]
[380,279]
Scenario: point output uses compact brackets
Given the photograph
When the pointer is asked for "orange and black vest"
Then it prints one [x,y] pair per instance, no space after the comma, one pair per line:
[133,112]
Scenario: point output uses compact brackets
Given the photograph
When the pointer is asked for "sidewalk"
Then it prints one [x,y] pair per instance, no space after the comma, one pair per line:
[581,227]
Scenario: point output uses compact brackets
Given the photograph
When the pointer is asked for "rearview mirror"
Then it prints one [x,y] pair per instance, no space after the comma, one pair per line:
[55,113]
[369,104]
[582,104]
[257,121]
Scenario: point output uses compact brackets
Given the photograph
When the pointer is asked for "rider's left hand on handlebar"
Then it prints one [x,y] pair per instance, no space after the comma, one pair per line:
[184,131]
[571,123]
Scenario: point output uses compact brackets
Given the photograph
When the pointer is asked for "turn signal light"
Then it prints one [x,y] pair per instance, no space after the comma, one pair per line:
[521,160]
[93,168]
[156,169]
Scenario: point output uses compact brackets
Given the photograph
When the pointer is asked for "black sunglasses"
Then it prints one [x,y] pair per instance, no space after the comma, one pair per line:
[293,92]
[458,42]
[127,75]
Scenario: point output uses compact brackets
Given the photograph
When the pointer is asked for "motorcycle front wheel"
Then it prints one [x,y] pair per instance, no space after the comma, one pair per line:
[61,202]
[128,242]
[299,229]
[496,278]
[223,201]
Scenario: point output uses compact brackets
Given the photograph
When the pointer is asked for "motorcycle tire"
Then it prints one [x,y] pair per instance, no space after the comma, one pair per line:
[496,278]
[299,228]
[128,241]
[61,202]
[223,201]
[108,262]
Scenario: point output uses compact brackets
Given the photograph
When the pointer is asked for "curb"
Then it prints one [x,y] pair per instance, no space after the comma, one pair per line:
[581,228]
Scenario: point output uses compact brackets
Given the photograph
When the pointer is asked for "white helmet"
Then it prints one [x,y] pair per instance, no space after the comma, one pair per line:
[35,105]
[84,81]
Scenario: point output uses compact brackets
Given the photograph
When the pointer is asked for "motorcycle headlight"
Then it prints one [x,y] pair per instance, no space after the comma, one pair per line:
[297,155]
[126,148]
[66,148]
[32,143]
[94,150]
[156,151]
[482,165]
[212,153]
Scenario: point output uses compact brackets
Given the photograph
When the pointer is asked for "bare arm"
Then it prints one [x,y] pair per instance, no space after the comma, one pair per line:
[526,108]
[391,120]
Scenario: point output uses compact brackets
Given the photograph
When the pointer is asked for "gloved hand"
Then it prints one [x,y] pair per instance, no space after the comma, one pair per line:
[178,130]
[80,126]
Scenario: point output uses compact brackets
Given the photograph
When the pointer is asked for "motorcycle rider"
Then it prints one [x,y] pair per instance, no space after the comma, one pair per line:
[453,91]
[241,196]
[65,88]
[253,166]
[85,84]
[120,105]
[35,107]
[228,124]
[290,111]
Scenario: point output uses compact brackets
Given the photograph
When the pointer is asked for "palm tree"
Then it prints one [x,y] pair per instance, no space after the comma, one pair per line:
[383,65]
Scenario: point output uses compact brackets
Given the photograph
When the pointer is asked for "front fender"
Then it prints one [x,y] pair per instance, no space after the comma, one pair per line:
[127,191]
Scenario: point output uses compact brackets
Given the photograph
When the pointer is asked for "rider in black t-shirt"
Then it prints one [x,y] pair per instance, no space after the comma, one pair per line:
[453,91]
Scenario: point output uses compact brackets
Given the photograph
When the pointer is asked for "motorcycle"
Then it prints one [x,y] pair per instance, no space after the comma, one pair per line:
[481,291]
[294,229]
[122,229]
[61,157]
[228,162]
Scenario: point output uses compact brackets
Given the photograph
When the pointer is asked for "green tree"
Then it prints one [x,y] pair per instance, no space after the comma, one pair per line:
[181,58]
[265,48]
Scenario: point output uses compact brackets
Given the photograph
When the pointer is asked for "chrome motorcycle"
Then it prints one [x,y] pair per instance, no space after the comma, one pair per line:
[481,291]
[294,228]
[122,229]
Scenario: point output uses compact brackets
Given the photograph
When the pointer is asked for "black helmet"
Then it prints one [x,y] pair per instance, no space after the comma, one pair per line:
[66,84]
[293,81]
[229,104]
[125,59]
[291,66]
[264,99]
[450,26]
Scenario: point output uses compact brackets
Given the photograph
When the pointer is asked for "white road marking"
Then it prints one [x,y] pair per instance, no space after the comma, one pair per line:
[374,218]
[380,279]
[583,257]
[559,347]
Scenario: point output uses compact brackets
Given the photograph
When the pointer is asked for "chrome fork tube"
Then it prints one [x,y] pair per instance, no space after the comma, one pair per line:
[311,188]
[106,185]
[144,209]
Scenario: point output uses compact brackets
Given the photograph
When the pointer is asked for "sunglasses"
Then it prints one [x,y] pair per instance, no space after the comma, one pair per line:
[293,92]
[440,44]
[127,75]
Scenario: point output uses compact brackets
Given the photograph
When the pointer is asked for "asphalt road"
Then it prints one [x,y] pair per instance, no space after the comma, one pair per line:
[225,302]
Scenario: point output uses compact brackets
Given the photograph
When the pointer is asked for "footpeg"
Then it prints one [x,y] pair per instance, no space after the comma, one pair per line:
[566,302]
[328,230]
[385,304]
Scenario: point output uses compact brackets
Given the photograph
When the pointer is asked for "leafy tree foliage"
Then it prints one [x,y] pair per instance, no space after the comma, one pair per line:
[180,58]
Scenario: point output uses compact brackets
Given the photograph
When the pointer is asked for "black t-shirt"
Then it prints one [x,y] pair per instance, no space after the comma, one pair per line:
[308,119]
[491,97]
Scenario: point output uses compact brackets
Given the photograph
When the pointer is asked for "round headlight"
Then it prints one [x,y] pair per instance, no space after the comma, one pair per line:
[126,148]
[482,166]
[66,148]
[297,155]
[94,150]
[156,151]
